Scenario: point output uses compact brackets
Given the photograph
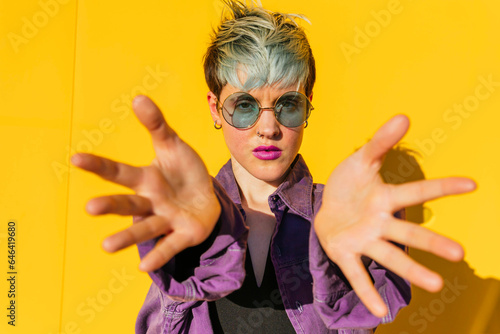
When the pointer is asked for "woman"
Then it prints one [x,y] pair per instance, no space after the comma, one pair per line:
[305,241]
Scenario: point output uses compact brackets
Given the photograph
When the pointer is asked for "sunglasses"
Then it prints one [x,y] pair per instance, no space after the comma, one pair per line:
[241,110]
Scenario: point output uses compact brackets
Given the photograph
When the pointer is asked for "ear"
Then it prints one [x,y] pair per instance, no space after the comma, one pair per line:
[311,97]
[212,104]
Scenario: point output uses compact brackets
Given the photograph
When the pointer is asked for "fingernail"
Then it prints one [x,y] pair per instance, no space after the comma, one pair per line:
[471,185]
[381,310]
[76,159]
[106,245]
[457,253]
[137,100]
[143,266]
[434,282]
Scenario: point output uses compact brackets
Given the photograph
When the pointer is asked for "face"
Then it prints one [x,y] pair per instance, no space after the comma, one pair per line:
[242,143]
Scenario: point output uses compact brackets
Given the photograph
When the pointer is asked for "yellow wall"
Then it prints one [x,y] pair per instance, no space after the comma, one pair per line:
[68,70]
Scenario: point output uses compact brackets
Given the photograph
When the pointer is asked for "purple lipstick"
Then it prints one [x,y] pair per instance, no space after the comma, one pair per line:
[267,152]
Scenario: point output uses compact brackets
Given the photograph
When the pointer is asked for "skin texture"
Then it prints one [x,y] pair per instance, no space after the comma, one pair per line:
[256,178]
[259,178]
[174,198]
[356,218]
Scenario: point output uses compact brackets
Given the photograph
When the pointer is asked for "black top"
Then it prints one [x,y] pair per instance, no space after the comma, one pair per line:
[252,309]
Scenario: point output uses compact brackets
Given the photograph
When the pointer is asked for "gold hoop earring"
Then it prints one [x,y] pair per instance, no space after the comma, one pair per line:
[306,125]
[217,127]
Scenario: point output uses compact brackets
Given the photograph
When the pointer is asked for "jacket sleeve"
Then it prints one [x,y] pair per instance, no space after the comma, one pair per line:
[212,269]
[336,302]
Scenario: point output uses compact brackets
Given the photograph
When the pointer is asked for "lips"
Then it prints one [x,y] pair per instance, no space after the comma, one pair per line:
[267,152]
[266,148]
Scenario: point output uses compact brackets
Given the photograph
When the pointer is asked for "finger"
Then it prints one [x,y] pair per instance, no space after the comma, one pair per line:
[402,265]
[152,118]
[120,205]
[417,192]
[362,284]
[136,219]
[117,172]
[385,138]
[147,229]
[165,249]
[416,236]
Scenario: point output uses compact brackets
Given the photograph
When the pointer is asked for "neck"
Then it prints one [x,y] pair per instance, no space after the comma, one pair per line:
[254,192]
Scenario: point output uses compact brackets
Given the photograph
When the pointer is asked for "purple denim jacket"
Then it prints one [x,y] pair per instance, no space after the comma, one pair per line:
[316,295]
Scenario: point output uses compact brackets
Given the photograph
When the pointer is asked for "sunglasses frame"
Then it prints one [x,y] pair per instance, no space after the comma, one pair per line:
[263,108]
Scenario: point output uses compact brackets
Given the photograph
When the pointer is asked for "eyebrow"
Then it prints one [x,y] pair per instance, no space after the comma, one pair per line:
[274,101]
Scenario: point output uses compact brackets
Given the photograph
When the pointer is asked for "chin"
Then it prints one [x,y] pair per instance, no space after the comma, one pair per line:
[271,173]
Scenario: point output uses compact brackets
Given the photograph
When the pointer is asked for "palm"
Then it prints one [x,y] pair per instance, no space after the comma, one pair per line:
[174,197]
[358,189]
[356,218]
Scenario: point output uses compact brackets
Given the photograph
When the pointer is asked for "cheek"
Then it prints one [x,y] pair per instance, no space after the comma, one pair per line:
[293,138]
[235,140]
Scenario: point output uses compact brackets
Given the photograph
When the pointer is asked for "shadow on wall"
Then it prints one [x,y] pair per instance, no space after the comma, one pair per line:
[467,303]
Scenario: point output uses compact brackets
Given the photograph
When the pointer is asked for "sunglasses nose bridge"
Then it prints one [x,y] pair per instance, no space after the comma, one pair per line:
[261,112]
[273,109]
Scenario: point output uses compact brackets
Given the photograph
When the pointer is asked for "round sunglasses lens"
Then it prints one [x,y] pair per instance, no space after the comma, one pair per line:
[240,110]
[293,109]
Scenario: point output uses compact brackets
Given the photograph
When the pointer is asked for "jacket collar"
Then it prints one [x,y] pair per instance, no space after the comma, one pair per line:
[295,191]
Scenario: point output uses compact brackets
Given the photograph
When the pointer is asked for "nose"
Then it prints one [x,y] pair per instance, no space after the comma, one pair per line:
[267,124]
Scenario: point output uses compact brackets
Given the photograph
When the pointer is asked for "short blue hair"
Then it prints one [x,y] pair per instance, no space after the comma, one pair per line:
[270,47]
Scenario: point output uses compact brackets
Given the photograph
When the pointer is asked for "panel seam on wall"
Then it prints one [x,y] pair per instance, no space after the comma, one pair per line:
[69,169]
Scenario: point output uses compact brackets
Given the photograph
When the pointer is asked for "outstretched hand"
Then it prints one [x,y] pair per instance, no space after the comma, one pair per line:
[356,218]
[174,197]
